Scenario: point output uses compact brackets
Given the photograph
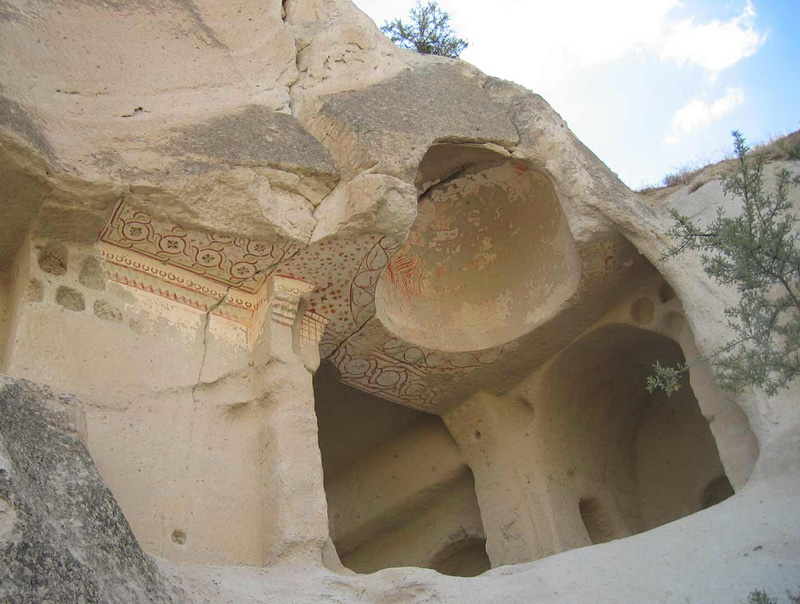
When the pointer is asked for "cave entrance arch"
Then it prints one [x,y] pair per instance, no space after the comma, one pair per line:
[628,459]
[398,490]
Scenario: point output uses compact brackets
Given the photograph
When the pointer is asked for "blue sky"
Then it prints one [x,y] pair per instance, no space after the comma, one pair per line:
[648,85]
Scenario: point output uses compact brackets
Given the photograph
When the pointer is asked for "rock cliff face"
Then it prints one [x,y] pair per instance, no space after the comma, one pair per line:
[331,306]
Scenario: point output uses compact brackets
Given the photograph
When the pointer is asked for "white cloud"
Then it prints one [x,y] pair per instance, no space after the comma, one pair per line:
[714,46]
[697,113]
[550,42]
[547,43]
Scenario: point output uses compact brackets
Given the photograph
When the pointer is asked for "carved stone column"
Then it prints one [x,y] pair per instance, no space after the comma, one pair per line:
[295,516]
[511,491]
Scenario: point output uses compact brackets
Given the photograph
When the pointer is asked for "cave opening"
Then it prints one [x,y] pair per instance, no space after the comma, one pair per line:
[398,490]
[629,460]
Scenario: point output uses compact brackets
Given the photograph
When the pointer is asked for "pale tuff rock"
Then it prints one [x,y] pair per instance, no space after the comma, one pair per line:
[348,323]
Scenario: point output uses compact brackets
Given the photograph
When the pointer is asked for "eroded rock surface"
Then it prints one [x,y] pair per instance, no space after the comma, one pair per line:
[63,538]
[332,306]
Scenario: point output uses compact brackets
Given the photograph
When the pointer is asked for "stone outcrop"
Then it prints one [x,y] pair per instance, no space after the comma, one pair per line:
[333,308]
[63,538]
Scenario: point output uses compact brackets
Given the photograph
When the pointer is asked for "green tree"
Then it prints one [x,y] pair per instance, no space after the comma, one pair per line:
[428,32]
[757,253]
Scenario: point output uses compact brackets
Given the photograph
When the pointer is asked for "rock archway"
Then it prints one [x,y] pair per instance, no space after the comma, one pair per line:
[580,453]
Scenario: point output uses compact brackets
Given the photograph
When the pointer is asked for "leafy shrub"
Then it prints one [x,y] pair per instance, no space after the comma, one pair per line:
[428,32]
[756,252]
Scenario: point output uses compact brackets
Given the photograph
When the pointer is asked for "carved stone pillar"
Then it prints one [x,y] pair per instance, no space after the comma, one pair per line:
[511,491]
[295,516]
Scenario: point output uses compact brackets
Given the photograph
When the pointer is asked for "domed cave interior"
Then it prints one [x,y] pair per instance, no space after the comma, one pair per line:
[573,450]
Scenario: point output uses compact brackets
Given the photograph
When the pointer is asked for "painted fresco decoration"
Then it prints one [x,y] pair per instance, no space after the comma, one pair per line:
[237,262]
[198,269]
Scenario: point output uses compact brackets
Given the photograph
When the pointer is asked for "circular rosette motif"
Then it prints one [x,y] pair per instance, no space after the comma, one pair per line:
[135,231]
[208,258]
[243,270]
[172,244]
[259,248]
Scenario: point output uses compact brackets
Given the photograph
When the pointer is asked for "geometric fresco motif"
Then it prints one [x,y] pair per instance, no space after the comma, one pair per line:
[237,262]
[199,269]
[398,371]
